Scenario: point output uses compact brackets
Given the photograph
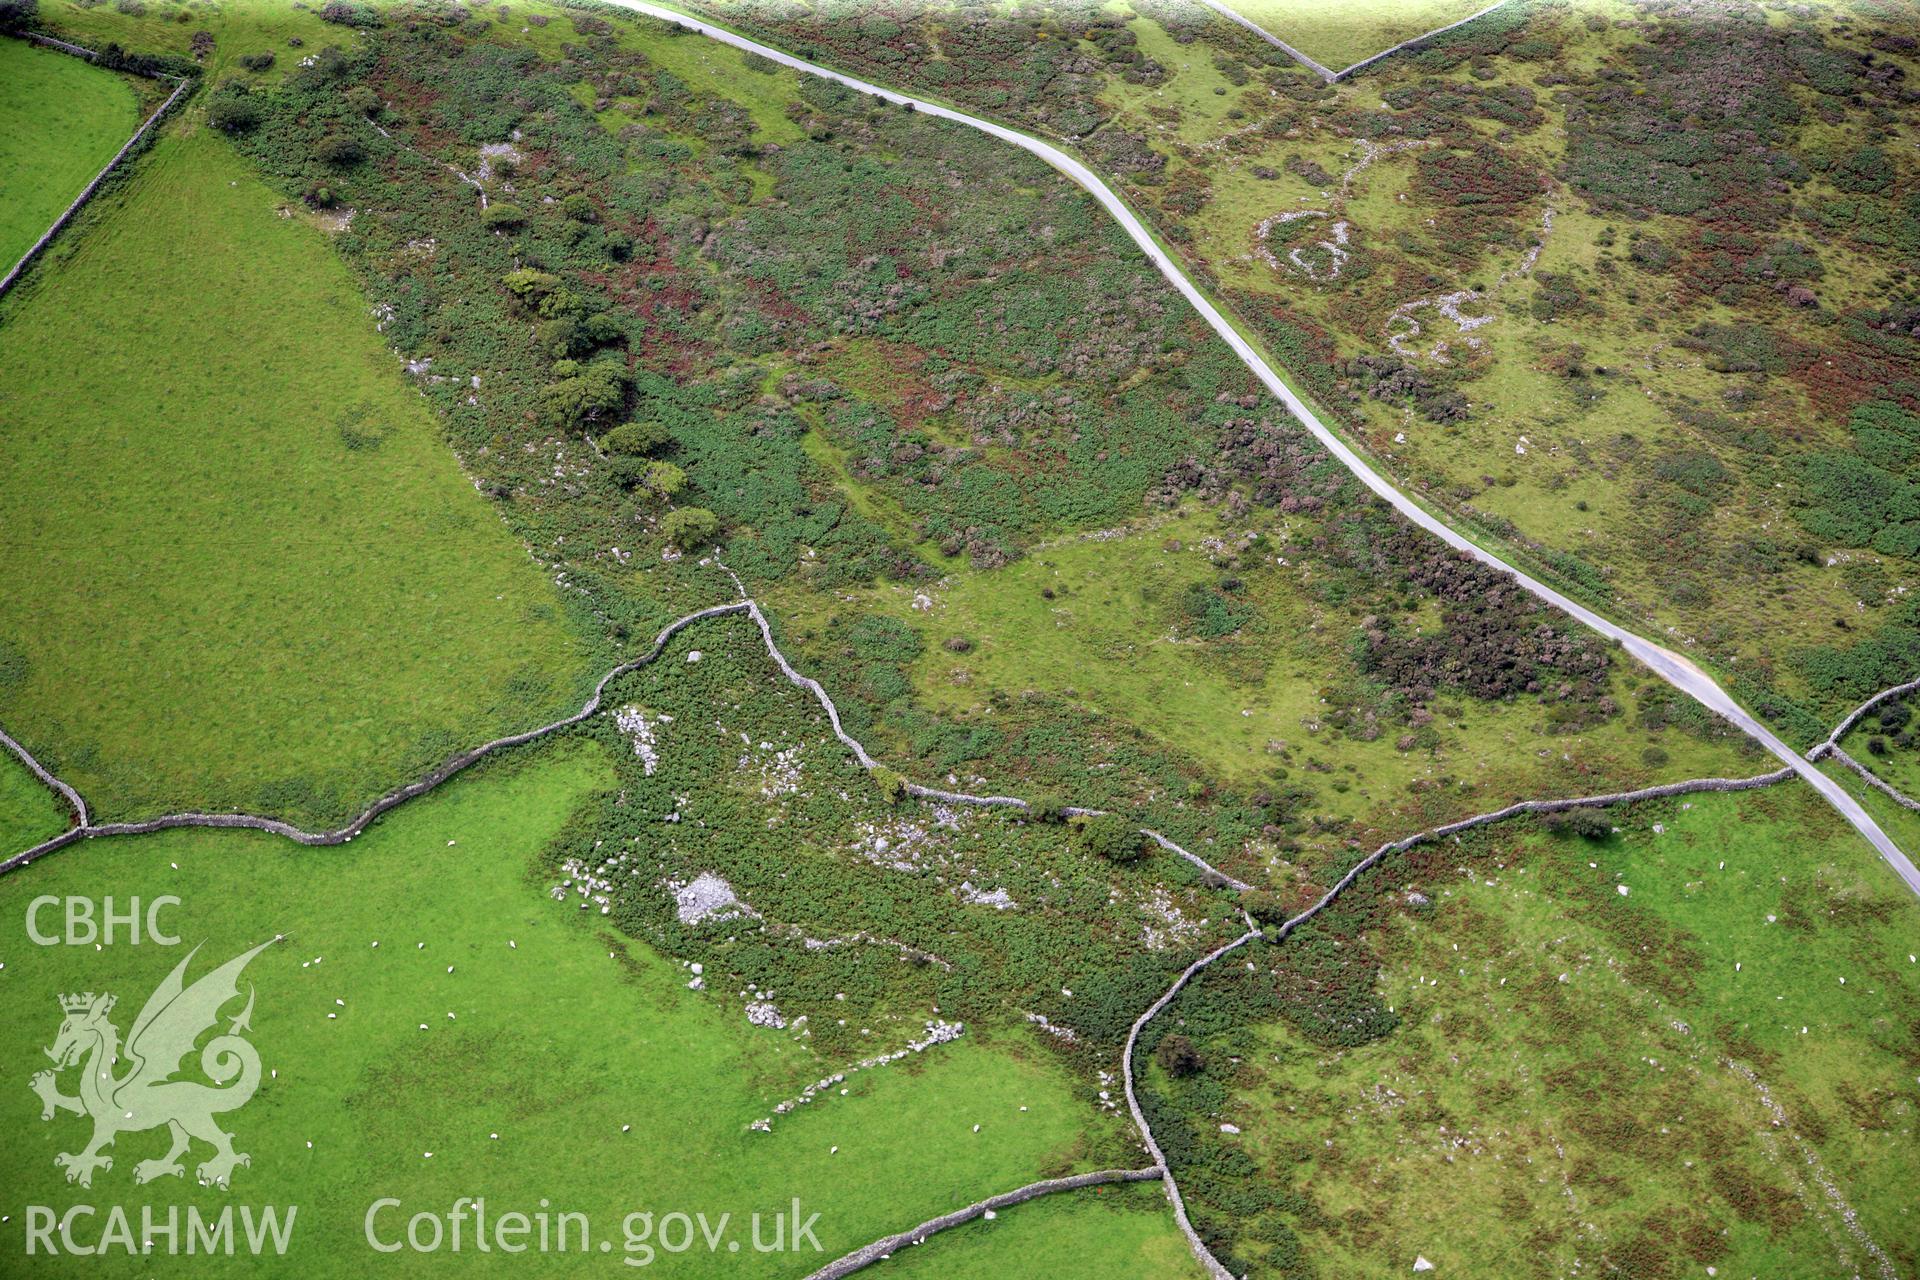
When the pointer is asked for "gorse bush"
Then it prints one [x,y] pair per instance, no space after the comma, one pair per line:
[1111,838]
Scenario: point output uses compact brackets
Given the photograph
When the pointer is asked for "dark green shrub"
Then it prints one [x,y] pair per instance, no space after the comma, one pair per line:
[663,480]
[233,112]
[339,150]
[500,216]
[636,439]
[1588,824]
[1178,1056]
[1110,837]
[1265,906]
[1048,807]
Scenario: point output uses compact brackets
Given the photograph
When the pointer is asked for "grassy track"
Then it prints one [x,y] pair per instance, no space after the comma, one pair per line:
[245,571]
[60,121]
[563,1034]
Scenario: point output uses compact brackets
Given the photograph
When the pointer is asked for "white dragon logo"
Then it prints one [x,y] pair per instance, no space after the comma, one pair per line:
[147,1095]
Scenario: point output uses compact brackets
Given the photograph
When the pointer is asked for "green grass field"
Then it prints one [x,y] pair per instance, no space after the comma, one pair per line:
[1097,1233]
[1339,35]
[245,571]
[612,1088]
[29,812]
[60,121]
[239,28]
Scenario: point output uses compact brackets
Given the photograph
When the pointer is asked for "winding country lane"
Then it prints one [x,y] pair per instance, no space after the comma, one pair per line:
[1668,665]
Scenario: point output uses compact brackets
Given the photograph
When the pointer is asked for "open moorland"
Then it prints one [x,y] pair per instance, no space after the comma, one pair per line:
[496,339]
[665,297]
[1661,362]
[1688,1043]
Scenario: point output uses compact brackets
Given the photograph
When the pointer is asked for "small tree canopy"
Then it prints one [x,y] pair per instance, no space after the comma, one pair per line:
[689,527]
[584,393]
[636,439]
[525,282]
[1047,807]
[663,479]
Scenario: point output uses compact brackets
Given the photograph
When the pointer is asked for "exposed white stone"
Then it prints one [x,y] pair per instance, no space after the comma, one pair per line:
[708,897]
[644,734]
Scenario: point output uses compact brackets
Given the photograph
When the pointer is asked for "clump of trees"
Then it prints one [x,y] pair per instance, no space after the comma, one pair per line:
[583,393]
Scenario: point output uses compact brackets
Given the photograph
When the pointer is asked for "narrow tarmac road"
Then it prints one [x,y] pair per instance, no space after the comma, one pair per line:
[1668,665]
